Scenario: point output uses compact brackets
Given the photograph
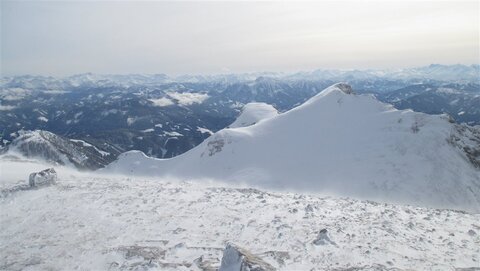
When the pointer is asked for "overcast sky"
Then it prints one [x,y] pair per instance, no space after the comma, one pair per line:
[62,38]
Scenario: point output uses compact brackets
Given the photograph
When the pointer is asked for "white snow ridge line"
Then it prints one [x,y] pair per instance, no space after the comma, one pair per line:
[346,144]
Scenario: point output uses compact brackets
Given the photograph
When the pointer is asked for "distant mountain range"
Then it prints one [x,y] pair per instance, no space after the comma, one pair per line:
[166,116]
[460,101]
[436,72]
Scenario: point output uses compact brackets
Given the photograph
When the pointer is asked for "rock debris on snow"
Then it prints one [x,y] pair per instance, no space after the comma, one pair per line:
[44,177]
[239,259]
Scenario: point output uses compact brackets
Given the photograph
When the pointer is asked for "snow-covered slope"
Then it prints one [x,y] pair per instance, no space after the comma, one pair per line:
[87,222]
[56,149]
[253,113]
[337,143]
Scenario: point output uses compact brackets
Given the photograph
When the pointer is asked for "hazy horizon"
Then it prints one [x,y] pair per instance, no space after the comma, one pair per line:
[176,38]
[232,72]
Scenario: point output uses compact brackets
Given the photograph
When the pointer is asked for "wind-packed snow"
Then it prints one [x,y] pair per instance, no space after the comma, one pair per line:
[336,143]
[88,222]
[253,113]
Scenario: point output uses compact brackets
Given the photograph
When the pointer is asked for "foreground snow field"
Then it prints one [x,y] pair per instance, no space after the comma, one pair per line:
[88,222]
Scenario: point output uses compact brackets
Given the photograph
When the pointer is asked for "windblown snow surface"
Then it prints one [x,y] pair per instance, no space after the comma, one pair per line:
[107,222]
[336,143]
[253,113]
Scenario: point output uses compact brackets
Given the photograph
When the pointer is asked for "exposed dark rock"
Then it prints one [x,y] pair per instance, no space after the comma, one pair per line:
[467,140]
[346,88]
[323,238]
[238,259]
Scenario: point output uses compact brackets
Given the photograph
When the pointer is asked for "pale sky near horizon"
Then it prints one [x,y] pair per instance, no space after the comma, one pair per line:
[66,37]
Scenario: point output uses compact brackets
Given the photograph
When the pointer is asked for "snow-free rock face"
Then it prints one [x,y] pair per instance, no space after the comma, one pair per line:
[338,143]
[44,177]
[253,113]
[238,259]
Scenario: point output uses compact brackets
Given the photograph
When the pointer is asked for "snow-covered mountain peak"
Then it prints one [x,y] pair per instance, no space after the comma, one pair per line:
[340,99]
[338,89]
[253,113]
[344,87]
[338,143]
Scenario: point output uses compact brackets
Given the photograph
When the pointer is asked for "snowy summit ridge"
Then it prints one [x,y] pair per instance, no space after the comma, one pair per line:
[340,143]
[253,113]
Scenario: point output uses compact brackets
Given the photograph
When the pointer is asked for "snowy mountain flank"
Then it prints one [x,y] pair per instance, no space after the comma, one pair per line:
[166,116]
[58,150]
[338,143]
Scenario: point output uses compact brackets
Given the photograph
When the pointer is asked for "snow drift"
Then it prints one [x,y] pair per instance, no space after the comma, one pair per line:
[338,143]
[253,113]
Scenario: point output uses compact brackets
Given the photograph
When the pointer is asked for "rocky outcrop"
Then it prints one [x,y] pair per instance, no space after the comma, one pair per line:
[346,88]
[238,259]
[42,178]
[467,139]
[323,238]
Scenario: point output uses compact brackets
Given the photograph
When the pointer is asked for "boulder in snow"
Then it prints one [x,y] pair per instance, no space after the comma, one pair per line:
[323,239]
[238,259]
[44,177]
